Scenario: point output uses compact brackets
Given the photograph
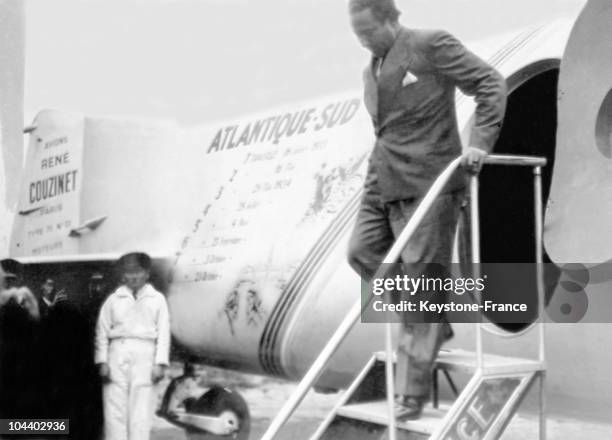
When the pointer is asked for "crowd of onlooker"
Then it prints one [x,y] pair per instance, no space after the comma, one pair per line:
[46,353]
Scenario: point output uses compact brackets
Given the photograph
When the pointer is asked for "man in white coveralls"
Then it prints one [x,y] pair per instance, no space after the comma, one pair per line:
[132,350]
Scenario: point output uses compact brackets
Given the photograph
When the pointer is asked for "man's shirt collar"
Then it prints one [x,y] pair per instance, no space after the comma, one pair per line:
[144,291]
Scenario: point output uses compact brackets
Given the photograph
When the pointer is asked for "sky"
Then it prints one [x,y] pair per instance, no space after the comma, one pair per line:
[193,61]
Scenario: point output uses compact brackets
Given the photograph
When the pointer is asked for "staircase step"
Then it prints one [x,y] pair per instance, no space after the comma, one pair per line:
[377,412]
[465,362]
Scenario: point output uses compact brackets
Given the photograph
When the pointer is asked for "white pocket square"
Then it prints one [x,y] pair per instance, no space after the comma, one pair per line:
[409,78]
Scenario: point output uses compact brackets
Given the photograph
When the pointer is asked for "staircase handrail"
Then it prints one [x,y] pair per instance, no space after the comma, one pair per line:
[392,256]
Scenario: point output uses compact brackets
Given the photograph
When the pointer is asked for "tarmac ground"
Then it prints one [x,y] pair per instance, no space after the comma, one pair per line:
[266,396]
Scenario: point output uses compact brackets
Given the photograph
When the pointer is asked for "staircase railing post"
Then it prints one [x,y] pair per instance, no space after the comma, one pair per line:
[390,380]
[537,184]
[475,236]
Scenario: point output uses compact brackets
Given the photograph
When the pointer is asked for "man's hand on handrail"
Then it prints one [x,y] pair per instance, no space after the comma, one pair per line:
[472,159]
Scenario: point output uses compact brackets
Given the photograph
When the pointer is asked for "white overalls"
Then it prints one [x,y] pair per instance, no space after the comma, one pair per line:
[132,334]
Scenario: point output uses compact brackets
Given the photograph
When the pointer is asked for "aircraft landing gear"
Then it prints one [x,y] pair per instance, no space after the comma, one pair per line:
[230,411]
[218,413]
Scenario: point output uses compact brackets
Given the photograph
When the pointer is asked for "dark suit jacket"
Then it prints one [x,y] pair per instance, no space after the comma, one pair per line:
[415,124]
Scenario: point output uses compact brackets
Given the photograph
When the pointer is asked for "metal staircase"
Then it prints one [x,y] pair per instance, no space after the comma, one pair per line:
[497,384]
[481,411]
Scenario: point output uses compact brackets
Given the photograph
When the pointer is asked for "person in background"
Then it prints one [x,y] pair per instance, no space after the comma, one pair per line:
[19,334]
[47,297]
[132,346]
[97,291]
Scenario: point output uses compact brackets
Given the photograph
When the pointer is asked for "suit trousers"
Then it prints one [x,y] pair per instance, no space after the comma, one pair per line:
[377,227]
[129,397]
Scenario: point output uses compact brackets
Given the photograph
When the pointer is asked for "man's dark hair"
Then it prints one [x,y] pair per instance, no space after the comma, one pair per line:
[134,259]
[382,10]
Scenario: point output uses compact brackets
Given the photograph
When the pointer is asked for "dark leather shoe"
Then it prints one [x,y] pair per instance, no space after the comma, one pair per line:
[408,407]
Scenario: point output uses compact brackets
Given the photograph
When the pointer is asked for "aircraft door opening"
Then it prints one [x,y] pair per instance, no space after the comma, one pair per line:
[506,193]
